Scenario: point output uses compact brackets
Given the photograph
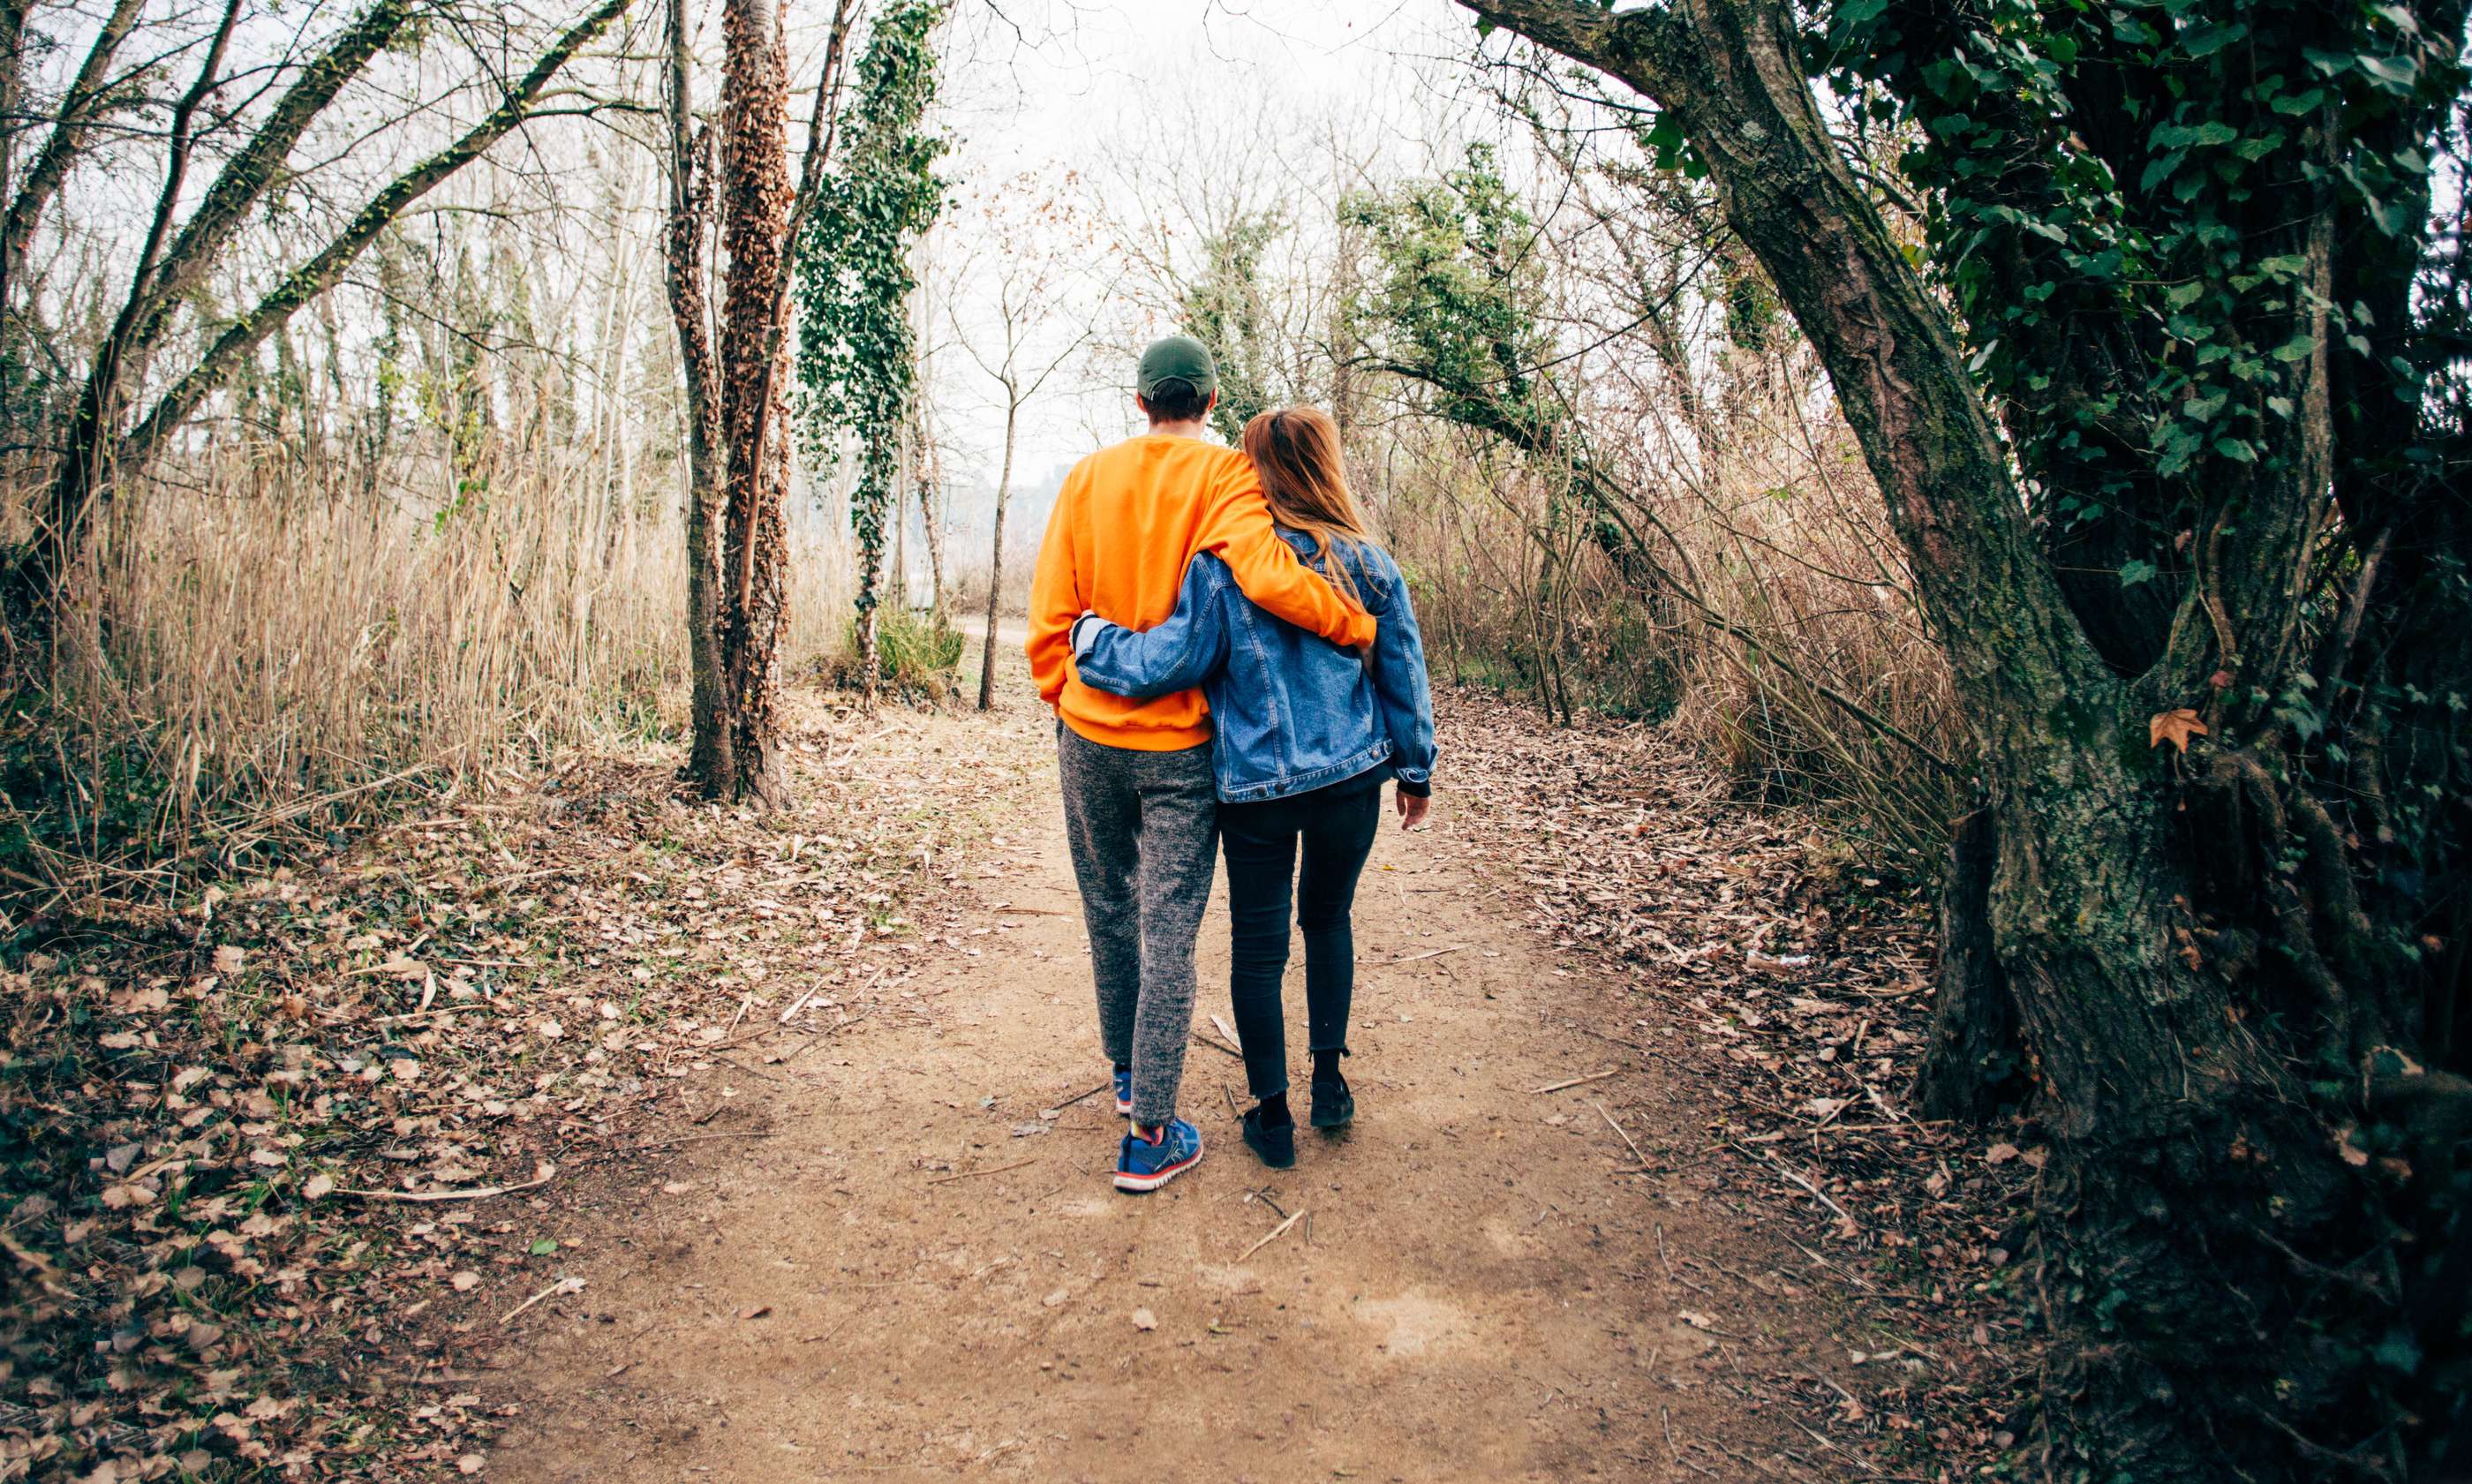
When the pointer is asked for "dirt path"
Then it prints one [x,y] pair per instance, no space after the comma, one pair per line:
[906,1270]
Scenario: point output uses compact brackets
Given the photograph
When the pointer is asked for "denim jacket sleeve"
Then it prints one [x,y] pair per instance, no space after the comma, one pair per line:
[1400,684]
[1178,655]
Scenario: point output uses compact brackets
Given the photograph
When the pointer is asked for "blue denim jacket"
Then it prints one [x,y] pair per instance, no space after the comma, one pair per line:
[1292,711]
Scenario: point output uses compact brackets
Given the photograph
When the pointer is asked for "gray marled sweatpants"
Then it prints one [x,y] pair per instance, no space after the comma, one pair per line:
[1144,829]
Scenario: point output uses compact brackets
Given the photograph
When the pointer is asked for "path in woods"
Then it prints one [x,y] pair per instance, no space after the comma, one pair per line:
[908,1269]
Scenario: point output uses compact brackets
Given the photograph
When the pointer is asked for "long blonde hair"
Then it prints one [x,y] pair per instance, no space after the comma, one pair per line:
[1296,451]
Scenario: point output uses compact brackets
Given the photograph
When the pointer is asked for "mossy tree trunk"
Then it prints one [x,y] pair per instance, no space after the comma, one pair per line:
[2225,949]
[755,194]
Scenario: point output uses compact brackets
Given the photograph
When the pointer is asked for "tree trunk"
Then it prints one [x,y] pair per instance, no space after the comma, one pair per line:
[930,477]
[2222,1265]
[1972,1064]
[995,562]
[709,759]
[79,109]
[755,197]
[165,274]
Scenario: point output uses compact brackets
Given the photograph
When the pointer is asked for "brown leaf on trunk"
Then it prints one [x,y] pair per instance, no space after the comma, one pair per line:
[2175,727]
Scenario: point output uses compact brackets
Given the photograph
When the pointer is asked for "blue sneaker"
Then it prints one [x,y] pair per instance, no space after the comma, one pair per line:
[1124,1094]
[1144,1165]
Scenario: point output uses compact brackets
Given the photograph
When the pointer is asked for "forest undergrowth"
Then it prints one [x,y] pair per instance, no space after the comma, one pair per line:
[1787,981]
[280,1149]
[268,1148]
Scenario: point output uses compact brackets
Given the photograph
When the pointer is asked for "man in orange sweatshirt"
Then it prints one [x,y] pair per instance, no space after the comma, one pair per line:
[1140,811]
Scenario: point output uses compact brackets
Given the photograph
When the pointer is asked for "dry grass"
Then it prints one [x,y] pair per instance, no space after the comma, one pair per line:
[1781,641]
[276,649]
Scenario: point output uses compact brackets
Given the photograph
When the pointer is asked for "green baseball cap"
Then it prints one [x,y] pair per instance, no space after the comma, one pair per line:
[1176,358]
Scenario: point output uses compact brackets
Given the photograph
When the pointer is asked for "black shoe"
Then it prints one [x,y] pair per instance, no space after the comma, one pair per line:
[1333,1105]
[1277,1146]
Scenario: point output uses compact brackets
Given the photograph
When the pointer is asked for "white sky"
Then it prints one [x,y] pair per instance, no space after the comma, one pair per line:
[1121,93]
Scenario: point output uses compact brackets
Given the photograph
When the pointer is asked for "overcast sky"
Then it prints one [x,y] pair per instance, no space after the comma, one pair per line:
[1099,88]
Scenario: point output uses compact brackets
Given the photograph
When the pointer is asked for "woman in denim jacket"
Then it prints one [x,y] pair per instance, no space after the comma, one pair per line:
[1306,733]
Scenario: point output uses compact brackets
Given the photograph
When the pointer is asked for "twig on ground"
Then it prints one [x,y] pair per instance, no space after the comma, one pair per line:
[1214,1044]
[1824,1441]
[1798,1179]
[1597,1076]
[1276,1233]
[1617,1128]
[562,1285]
[481,1192]
[1431,953]
[671,1143]
[1079,1097]
[1673,1452]
[973,1174]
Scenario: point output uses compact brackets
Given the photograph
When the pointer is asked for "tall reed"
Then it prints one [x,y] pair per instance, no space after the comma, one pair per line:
[275,645]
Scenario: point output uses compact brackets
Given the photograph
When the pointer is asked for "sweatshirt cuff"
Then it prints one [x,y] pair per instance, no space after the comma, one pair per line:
[1084,633]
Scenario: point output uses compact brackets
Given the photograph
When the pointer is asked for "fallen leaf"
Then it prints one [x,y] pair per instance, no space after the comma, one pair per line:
[1144,1319]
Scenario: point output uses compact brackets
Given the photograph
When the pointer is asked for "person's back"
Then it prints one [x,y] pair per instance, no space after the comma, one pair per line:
[1306,734]
[1140,809]
[1127,521]
[1291,713]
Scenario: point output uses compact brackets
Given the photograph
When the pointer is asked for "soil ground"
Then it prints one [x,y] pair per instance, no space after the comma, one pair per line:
[899,1256]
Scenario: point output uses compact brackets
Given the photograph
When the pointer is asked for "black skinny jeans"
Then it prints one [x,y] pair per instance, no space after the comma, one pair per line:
[1336,825]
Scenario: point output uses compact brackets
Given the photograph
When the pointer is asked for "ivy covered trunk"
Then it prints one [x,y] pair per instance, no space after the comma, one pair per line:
[709,755]
[857,349]
[2218,885]
[756,195]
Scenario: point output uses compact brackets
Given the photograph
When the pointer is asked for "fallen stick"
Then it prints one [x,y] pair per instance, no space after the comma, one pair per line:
[562,1285]
[1432,954]
[1078,1096]
[1217,1047]
[1834,1446]
[1226,1030]
[482,1193]
[1557,1087]
[1617,1128]
[672,1143]
[973,1174]
[1276,1233]
[1797,1179]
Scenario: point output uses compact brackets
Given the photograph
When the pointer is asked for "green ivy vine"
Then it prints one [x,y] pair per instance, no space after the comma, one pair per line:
[857,358]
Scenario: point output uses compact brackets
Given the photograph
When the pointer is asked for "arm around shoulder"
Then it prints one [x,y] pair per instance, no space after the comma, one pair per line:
[1265,569]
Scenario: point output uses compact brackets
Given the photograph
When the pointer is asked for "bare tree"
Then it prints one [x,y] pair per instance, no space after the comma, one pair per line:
[177,256]
[1028,292]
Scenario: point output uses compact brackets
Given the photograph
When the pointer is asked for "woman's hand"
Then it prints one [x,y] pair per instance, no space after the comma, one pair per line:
[1412,807]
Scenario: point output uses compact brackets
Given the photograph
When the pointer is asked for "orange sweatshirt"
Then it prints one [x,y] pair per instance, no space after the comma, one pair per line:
[1127,521]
